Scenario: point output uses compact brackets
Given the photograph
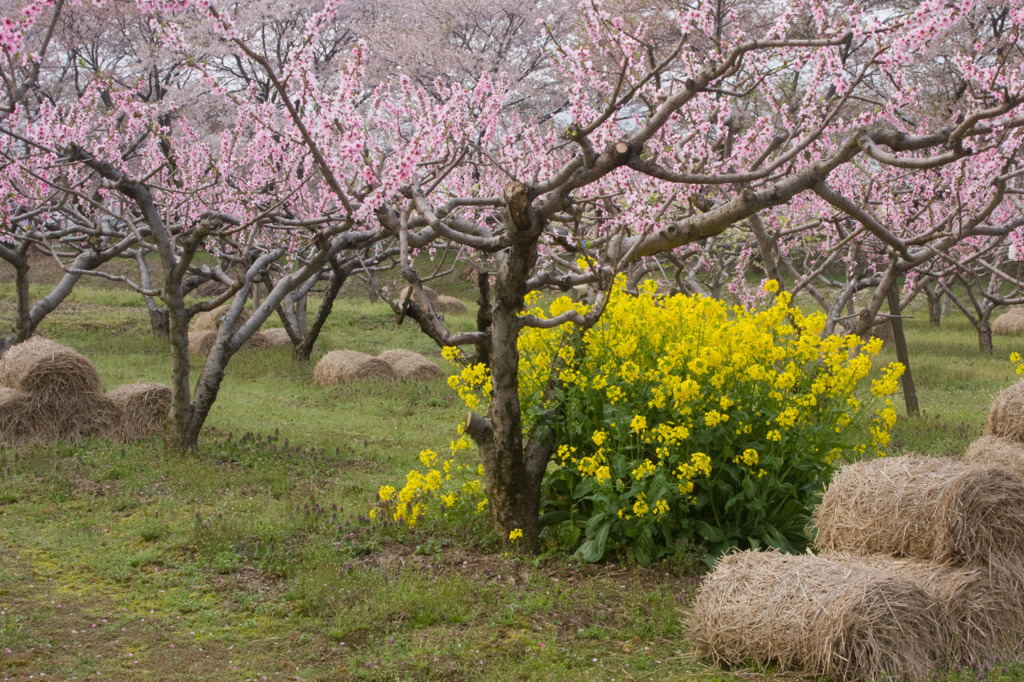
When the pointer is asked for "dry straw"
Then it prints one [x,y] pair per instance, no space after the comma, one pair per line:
[210,320]
[16,421]
[416,298]
[38,418]
[933,509]
[450,305]
[805,612]
[277,337]
[980,614]
[1010,323]
[997,450]
[343,366]
[144,408]
[411,366]
[43,366]
[52,393]
[1006,417]
[201,342]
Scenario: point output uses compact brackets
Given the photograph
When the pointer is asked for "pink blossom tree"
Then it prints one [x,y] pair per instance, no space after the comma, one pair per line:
[658,147]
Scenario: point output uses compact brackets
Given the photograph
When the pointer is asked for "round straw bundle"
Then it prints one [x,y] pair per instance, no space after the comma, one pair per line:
[809,613]
[39,365]
[342,366]
[927,508]
[411,366]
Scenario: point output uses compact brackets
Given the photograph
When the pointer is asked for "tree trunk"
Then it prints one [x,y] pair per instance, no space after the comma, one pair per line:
[179,434]
[159,319]
[304,349]
[902,354]
[23,316]
[512,472]
[934,306]
[985,336]
[513,493]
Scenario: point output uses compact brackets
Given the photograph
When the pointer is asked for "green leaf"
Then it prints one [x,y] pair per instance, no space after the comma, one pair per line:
[594,522]
[551,518]
[709,532]
[592,550]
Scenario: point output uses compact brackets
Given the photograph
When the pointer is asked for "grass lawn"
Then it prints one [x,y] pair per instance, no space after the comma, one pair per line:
[252,559]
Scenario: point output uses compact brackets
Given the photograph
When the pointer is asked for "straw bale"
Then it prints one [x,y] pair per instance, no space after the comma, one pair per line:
[997,450]
[821,616]
[1006,416]
[201,342]
[980,613]
[144,408]
[210,320]
[258,341]
[343,366]
[277,337]
[417,299]
[411,366]
[450,305]
[1010,323]
[940,510]
[16,420]
[44,418]
[39,365]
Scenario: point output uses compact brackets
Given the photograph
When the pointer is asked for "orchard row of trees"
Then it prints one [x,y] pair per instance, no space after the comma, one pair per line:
[550,144]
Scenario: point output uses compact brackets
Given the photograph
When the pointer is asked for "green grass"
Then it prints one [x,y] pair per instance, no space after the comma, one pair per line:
[251,559]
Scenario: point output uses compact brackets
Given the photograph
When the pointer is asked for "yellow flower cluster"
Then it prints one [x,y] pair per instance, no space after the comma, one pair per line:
[448,481]
[472,384]
[1018,362]
[660,396]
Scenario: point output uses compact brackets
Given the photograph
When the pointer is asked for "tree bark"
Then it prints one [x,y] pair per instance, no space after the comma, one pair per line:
[985,334]
[902,354]
[512,478]
[304,348]
[934,306]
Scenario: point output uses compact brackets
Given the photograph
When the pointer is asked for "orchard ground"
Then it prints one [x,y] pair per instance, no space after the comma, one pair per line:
[249,560]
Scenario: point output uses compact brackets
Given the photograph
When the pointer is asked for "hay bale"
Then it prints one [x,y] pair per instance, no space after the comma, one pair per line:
[144,408]
[416,298]
[201,343]
[980,613]
[343,366]
[210,320]
[258,341]
[411,366]
[210,289]
[16,422]
[997,450]
[1010,323]
[449,305]
[43,366]
[938,510]
[277,338]
[95,416]
[1006,416]
[40,418]
[809,613]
